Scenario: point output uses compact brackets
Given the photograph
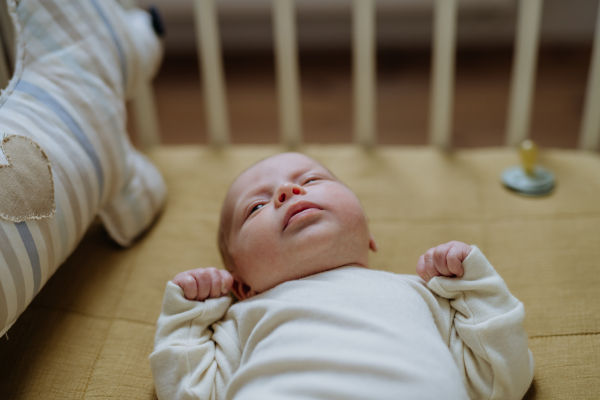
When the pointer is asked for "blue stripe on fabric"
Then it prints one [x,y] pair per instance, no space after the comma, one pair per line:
[43,96]
[111,30]
[32,251]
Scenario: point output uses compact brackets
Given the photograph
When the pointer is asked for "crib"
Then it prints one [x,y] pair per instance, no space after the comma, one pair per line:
[89,331]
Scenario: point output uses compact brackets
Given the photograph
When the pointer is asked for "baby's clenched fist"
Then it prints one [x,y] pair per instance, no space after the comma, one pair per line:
[203,283]
[443,260]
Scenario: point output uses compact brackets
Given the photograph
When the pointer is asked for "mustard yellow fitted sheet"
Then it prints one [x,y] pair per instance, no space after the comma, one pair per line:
[90,330]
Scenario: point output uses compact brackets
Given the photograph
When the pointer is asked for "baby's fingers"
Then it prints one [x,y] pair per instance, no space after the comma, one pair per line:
[216,283]
[226,281]
[454,264]
[204,282]
[220,282]
[456,255]
[440,254]
[421,271]
[188,284]
[425,267]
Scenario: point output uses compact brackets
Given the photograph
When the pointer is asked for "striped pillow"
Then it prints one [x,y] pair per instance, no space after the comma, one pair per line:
[65,153]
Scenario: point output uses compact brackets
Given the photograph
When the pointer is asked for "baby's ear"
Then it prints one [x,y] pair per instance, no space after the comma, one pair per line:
[372,243]
[240,289]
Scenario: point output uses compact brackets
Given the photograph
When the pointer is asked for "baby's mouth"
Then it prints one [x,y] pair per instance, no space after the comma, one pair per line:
[298,210]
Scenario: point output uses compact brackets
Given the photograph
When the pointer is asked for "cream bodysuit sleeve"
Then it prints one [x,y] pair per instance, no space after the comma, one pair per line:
[482,323]
[194,357]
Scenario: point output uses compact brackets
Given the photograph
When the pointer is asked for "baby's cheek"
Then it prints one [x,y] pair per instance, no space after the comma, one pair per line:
[254,246]
[353,213]
[356,223]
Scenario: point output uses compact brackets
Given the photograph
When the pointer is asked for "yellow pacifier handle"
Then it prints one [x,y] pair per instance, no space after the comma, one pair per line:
[528,152]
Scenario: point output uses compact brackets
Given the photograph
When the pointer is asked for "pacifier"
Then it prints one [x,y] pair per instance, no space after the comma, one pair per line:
[528,178]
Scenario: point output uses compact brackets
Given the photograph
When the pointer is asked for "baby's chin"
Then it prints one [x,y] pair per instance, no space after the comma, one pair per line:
[317,248]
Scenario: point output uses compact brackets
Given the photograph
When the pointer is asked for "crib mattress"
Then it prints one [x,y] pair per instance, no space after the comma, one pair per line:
[90,330]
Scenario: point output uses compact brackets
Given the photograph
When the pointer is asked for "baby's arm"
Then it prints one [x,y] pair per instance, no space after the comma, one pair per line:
[189,361]
[480,320]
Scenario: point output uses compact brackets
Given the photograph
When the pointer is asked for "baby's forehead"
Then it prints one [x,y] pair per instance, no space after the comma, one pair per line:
[277,167]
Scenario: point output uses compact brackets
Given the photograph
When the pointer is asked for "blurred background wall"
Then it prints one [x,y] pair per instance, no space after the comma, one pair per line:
[404,30]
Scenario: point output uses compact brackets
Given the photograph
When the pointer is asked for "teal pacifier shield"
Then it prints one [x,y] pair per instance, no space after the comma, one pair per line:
[541,182]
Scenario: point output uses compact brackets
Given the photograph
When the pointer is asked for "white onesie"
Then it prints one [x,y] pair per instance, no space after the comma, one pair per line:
[348,333]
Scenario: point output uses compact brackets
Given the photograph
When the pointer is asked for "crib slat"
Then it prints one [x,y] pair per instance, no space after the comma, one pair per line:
[7,33]
[288,82]
[589,137]
[364,72]
[4,71]
[211,65]
[523,74]
[443,60]
[144,105]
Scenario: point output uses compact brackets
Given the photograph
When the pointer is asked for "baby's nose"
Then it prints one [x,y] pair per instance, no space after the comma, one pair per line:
[286,191]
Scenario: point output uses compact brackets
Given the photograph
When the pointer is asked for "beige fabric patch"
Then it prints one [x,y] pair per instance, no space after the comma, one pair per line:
[26,185]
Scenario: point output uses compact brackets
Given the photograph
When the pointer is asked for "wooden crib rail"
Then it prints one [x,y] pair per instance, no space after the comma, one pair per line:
[211,65]
[288,82]
[4,71]
[523,75]
[443,59]
[6,50]
[144,106]
[589,137]
[364,74]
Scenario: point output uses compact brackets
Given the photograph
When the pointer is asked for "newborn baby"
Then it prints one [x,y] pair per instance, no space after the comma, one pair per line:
[313,322]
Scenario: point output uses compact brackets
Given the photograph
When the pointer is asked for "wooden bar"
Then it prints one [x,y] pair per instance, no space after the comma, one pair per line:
[211,66]
[144,106]
[589,137]
[364,72]
[4,70]
[523,75]
[286,63]
[443,60]
[7,34]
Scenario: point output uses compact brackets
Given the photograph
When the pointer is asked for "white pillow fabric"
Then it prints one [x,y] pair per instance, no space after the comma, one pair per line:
[66,156]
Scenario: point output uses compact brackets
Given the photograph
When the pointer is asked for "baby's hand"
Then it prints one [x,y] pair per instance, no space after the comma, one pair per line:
[202,283]
[445,259]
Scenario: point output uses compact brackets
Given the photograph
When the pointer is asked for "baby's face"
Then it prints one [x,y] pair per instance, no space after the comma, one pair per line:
[288,217]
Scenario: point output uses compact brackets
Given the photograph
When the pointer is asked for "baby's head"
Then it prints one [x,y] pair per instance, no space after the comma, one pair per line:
[287,217]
